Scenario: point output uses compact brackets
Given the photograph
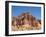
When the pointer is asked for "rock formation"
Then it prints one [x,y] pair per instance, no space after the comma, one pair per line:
[25,21]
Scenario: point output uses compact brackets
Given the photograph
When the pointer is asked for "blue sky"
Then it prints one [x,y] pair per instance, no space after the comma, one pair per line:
[35,11]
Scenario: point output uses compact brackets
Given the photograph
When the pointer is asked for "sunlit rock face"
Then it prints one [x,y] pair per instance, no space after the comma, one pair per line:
[25,21]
